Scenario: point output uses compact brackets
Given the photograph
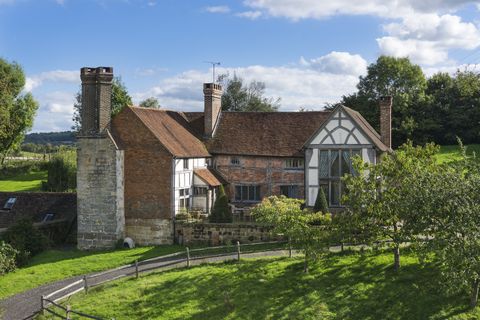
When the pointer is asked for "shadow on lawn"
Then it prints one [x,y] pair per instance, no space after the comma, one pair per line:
[362,289]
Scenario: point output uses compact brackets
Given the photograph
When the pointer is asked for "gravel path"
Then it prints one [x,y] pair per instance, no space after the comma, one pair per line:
[26,304]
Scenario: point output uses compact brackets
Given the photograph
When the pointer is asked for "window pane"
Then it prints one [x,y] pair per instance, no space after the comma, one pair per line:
[334,164]
[284,191]
[324,186]
[346,162]
[335,193]
[257,193]
[238,193]
[244,193]
[251,193]
[323,164]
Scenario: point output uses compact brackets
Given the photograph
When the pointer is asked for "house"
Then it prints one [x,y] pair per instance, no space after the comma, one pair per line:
[137,171]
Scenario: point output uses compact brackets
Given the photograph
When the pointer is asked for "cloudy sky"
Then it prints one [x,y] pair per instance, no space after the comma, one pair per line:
[308,52]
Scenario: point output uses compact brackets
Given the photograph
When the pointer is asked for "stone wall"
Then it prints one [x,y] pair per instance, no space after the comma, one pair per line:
[213,234]
[268,172]
[99,193]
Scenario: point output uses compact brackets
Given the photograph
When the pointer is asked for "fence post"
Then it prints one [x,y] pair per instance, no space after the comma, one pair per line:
[85,284]
[68,312]
[136,269]
[238,250]
[289,248]
[188,257]
[42,305]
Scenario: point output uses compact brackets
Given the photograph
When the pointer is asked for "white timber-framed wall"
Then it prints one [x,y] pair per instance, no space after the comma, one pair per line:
[183,181]
[328,156]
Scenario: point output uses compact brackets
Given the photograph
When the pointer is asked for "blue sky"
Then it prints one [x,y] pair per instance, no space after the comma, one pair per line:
[308,52]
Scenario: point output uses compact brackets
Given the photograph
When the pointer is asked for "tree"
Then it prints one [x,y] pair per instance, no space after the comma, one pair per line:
[399,78]
[120,99]
[240,97]
[17,109]
[321,204]
[221,211]
[305,229]
[151,102]
[379,197]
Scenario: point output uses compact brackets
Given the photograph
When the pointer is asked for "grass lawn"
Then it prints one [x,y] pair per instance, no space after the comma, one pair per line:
[452,152]
[339,286]
[53,265]
[31,181]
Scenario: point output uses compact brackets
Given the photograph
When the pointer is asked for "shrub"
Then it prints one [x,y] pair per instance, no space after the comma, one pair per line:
[8,257]
[26,239]
[321,204]
[62,173]
[221,211]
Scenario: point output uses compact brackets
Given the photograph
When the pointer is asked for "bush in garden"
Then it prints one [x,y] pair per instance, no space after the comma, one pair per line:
[8,257]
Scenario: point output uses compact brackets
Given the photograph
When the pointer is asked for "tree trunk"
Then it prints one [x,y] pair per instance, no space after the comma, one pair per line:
[474,294]
[396,256]
[305,265]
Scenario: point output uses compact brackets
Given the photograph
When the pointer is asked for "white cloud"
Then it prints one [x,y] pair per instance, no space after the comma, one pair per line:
[55,112]
[310,84]
[338,63]
[252,15]
[218,9]
[35,81]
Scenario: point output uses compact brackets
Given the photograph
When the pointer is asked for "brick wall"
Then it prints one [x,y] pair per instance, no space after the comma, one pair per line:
[214,234]
[148,179]
[268,172]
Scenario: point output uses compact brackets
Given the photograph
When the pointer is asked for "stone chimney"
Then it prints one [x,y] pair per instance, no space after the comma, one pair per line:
[96,100]
[386,120]
[213,107]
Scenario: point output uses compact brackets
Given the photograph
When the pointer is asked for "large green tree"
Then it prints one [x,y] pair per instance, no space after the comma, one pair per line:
[239,96]
[151,102]
[120,99]
[17,109]
[396,77]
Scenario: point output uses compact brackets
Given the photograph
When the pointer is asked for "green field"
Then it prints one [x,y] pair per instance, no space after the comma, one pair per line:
[53,265]
[452,153]
[31,181]
[339,286]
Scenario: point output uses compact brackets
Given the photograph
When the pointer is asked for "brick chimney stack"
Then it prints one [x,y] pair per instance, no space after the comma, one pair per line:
[386,120]
[213,107]
[96,100]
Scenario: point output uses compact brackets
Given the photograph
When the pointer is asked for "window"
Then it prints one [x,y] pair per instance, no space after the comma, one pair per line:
[184,203]
[9,204]
[200,191]
[289,191]
[184,200]
[334,164]
[184,192]
[247,193]
[186,164]
[48,217]
[234,161]
[294,164]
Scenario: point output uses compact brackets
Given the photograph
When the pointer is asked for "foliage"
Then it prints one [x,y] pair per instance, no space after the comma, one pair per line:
[54,265]
[25,238]
[321,204]
[340,286]
[17,110]
[52,138]
[221,211]
[240,97]
[62,172]
[8,258]
[120,99]
[307,230]
[151,102]
[379,199]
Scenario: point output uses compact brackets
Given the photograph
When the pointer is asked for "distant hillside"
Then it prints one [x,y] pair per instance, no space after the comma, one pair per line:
[53,138]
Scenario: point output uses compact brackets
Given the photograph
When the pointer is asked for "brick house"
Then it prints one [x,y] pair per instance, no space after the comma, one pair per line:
[137,171]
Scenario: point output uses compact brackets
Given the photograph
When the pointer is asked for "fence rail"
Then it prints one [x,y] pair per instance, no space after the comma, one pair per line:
[185,258]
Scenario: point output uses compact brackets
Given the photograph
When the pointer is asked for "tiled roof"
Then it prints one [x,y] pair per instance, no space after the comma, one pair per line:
[35,205]
[173,131]
[278,134]
[209,177]
[367,128]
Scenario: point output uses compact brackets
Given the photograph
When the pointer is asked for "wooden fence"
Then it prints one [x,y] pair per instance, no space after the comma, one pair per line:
[51,305]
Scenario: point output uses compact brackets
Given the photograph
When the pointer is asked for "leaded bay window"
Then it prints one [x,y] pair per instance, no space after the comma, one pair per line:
[334,164]
[247,193]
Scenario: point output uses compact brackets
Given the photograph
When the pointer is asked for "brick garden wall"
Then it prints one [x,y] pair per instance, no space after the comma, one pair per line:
[213,234]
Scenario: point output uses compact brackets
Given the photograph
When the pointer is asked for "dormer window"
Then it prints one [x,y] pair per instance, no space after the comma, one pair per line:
[9,204]
[295,164]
